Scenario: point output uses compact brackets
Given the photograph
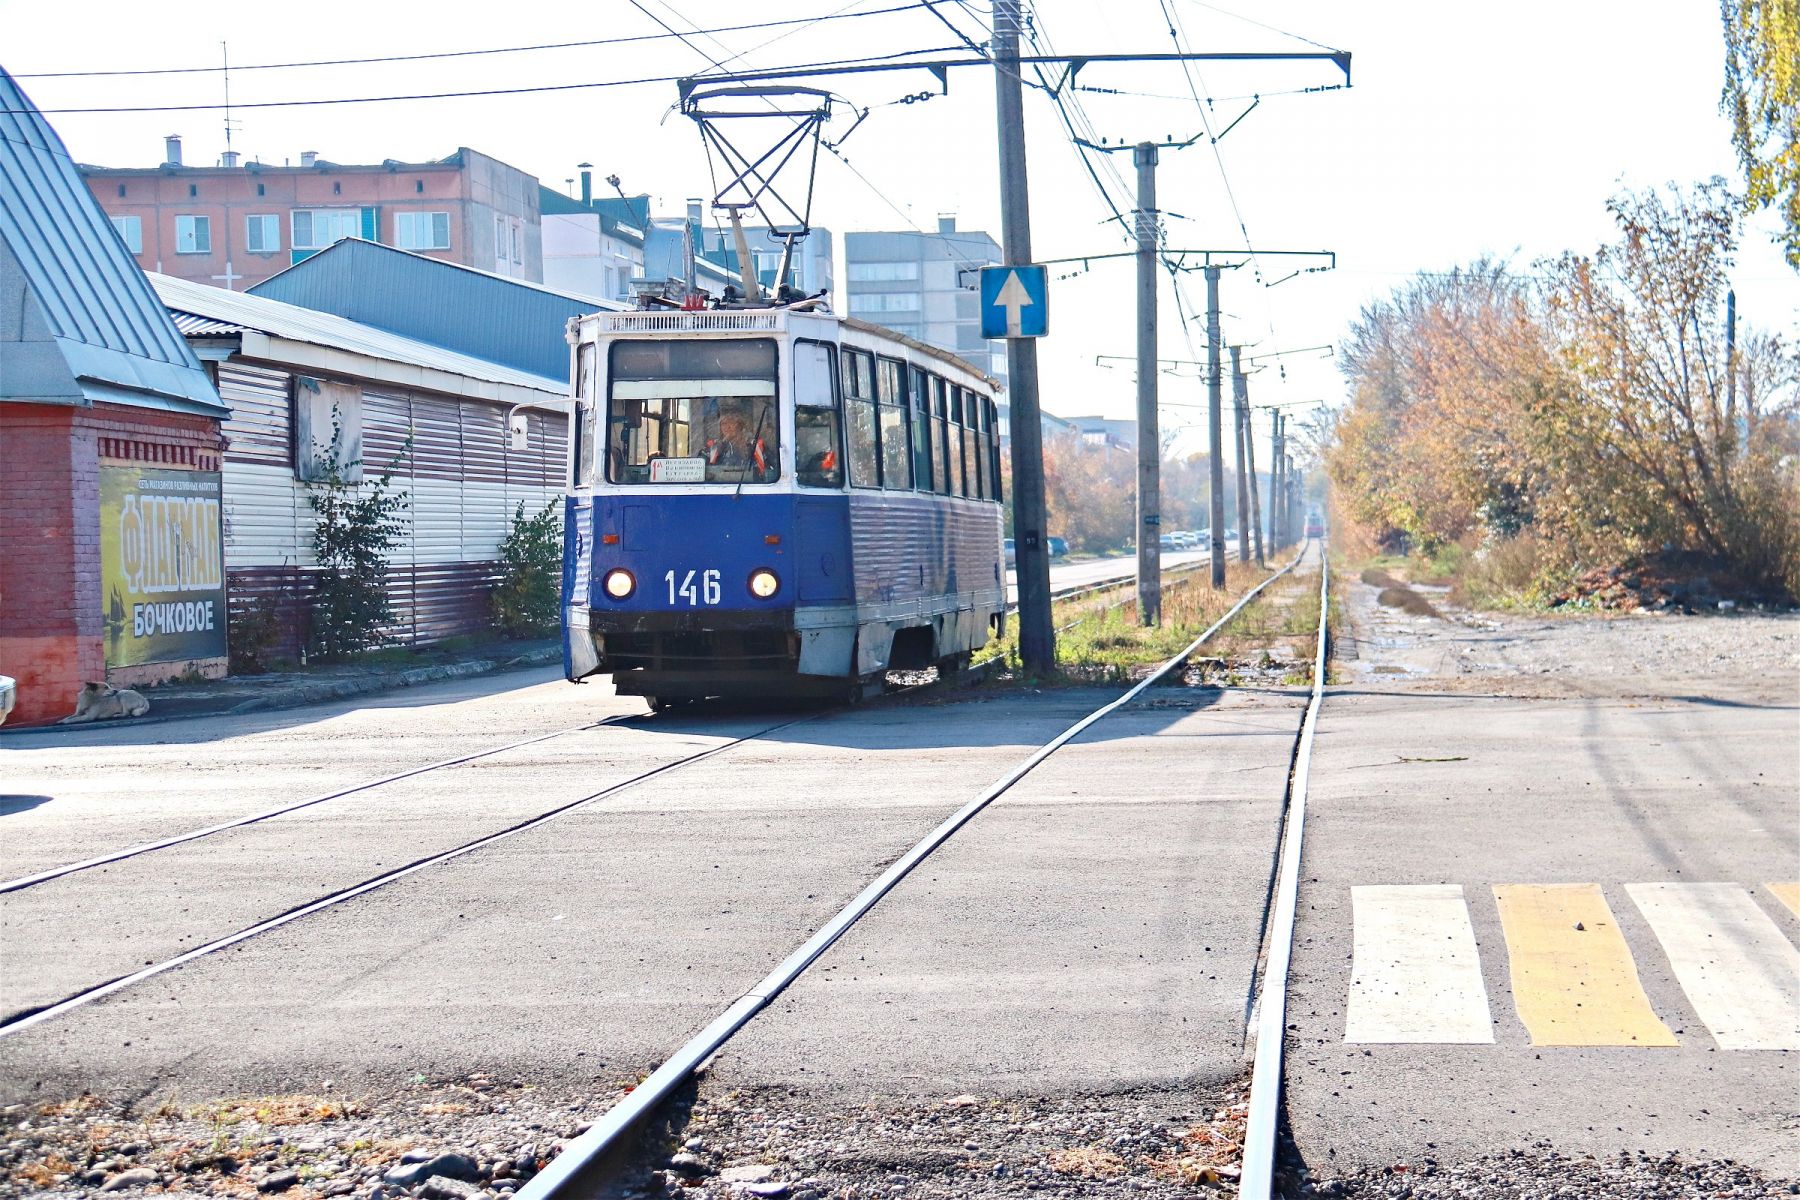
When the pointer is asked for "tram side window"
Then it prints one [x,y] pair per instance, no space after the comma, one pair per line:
[991,417]
[818,460]
[861,426]
[587,426]
[971,456]
[953,441]
[896,455]
[940,461]
[921,429]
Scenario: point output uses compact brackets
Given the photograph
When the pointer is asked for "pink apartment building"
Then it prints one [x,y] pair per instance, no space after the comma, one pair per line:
[233,226]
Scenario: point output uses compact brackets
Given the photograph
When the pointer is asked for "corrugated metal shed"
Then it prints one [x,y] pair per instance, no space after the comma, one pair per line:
[80,283]
[471,312]
[197,307]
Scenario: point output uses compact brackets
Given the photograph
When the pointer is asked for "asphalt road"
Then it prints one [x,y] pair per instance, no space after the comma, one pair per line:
[586,949]
[1535,911]
[1087,572]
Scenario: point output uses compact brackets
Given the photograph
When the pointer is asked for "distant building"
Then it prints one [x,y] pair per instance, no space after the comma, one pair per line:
[809,271]
[477,313]
[233,226]
[110,535]
[1106,431]
[466,440]
[925,285]
[594,245]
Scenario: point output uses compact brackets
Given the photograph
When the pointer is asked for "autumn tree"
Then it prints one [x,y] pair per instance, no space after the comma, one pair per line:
[1762,98]
[1657,438]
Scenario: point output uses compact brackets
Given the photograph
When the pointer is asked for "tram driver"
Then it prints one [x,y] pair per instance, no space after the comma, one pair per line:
[738,448]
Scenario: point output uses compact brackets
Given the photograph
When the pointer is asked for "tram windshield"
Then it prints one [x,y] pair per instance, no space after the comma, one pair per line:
[692,412]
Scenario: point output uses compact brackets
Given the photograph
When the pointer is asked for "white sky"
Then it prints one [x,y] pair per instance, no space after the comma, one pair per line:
[1467,132]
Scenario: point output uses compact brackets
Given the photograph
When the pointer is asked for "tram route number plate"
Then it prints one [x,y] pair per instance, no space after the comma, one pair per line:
[678,470]
[693,588]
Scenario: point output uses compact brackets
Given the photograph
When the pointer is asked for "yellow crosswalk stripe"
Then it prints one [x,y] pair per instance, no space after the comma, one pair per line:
[1788,894]
[1573,978]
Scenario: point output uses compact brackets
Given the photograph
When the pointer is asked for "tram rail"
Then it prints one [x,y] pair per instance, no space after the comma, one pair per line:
[574,1171]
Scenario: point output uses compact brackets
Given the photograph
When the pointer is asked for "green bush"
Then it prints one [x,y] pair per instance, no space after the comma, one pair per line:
[357,526]
[528,595]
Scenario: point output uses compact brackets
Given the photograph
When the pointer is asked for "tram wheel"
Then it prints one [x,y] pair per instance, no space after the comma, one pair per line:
[660,704]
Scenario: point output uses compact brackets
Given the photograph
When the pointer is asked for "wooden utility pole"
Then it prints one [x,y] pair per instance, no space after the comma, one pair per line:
[1037,638]
[1149,449]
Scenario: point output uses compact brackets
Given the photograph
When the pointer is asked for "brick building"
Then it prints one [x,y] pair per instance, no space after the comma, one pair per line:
[233,226]
[110,540]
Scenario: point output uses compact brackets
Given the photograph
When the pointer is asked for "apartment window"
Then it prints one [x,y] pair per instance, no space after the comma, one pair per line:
[317,228]
[518,242]
[883,272]
[131,231]
[422,230]
[500,240]
[886,302]
[193,235]
[262,233]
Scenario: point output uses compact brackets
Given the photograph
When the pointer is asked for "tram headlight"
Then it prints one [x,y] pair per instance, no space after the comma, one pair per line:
[764,583]
[619,583]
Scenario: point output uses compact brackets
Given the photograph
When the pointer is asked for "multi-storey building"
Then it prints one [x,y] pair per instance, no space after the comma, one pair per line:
[809,270]
[233,225]
[925,286]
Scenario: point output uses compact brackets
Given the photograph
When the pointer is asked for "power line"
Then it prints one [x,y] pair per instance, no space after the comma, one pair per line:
[397,58]
[517,91]
[1225,12]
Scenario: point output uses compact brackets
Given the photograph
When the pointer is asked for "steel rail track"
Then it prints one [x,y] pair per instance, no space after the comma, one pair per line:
[113,856]
[564,1175]
[1258,1179]
[19,1022]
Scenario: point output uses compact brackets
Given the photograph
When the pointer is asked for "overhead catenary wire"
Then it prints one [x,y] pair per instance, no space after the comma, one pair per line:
[894,57]
[627,39]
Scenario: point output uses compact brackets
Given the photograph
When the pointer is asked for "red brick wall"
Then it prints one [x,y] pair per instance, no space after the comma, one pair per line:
[51,627]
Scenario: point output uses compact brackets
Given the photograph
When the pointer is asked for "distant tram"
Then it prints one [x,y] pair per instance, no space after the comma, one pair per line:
[775,502]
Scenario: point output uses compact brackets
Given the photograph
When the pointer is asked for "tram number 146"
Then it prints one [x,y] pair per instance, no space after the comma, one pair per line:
[696,588]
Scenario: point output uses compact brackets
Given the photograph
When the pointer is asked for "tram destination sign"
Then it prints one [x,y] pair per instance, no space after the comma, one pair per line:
[1015,302]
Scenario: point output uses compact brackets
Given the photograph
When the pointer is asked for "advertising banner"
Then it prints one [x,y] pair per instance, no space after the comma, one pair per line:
[162,566]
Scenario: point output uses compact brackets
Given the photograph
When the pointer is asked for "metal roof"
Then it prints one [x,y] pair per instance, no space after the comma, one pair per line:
[83,293]
[202,310]
[472,312]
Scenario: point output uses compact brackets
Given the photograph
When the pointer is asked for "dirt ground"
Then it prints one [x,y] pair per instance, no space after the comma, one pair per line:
[1393,642]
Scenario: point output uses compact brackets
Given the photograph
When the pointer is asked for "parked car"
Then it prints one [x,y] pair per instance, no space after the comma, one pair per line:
[8,691]
[1058,547]
[1012,558]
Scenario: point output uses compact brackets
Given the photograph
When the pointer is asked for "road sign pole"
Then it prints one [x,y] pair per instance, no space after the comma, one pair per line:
[1037,638]
[1149,448]
[1240,423]
[1217,472]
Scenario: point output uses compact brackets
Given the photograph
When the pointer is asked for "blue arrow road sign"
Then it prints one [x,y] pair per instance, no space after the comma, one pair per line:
[1015,302]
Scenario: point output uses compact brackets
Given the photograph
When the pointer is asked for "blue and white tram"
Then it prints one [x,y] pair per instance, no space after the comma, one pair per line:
[769,502]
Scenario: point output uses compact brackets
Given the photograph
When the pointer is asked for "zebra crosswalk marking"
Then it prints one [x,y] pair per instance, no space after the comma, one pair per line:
[1788,894]
[1415,974]
[1573,979]
[1740,974]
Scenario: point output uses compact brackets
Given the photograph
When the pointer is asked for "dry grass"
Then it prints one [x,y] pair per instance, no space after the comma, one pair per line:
[1210,1153]
[1087,1162]
[43,1173]
[278,1110]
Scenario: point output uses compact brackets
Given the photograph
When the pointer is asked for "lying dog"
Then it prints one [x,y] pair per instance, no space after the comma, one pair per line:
[103,702]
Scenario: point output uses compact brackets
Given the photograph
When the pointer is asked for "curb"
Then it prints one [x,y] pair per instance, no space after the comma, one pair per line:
[303,695]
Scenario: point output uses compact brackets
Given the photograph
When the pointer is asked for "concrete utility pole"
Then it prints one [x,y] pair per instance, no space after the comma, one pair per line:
[1149,450]
[1037,638]
[1240,401]
[1255,518]
[1213,429]
[1275,542]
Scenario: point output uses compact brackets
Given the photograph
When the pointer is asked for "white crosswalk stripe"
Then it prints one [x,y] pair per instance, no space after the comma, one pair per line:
[1416,974]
